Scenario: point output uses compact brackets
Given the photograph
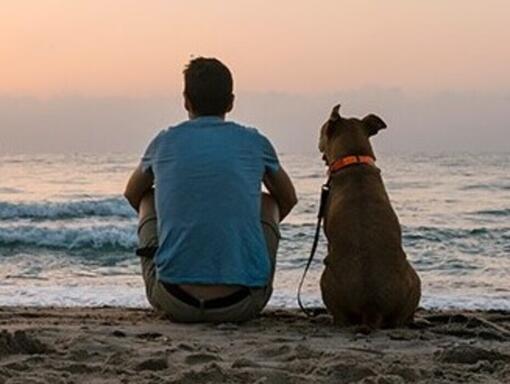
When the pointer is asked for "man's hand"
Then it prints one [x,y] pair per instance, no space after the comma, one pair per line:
[138,185]
[281,189]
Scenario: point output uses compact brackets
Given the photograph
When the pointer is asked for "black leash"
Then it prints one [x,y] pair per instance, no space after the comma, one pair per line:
[320,215]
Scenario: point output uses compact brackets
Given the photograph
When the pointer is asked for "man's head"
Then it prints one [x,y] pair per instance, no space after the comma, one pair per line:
[208,87]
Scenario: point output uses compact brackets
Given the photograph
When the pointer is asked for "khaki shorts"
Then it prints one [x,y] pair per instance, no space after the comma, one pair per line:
[180,311]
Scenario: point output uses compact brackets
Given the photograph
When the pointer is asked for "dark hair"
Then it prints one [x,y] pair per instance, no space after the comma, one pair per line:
[208,86]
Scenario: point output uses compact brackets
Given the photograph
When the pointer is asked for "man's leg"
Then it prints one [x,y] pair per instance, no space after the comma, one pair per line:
[270,217]
[148,238]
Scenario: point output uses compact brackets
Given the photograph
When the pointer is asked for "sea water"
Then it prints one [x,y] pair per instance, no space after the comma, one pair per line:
[67,236]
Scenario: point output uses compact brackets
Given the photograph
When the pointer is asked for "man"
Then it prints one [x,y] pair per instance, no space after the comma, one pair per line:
[210,253]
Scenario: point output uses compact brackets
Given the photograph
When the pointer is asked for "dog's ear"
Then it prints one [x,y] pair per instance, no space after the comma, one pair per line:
[333,118]
[328,127]
[373,124]
[335,115]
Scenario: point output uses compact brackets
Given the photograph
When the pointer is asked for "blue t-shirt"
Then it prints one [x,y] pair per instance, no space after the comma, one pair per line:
[207,176]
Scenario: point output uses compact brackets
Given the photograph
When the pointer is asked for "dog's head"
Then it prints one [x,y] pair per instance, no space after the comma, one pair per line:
[348,136]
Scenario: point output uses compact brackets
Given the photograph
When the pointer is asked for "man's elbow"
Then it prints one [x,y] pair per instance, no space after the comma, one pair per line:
[293,201]
[288,204]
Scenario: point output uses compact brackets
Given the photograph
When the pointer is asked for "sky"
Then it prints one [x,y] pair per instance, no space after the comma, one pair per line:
[106,75]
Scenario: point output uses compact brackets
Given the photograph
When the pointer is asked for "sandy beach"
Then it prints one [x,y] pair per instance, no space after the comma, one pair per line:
[117,345]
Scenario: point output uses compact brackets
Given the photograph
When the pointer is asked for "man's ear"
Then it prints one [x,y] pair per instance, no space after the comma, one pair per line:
[187,103]
[231,104]
[373,124]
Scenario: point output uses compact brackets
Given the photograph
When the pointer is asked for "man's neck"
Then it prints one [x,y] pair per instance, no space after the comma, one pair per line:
[192,116]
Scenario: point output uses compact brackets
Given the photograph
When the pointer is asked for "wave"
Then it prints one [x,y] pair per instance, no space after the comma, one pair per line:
[485,187]
[121,236]
[429,233]
[95,238]
[444,234]
[113,206]
[494,212]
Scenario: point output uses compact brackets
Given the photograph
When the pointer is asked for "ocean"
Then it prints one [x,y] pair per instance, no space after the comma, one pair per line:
[67,237]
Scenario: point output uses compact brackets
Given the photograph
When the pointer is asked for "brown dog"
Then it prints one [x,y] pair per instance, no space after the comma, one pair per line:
[367,279]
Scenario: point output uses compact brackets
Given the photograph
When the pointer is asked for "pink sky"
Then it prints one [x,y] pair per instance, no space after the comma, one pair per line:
[105,75]
[135,48]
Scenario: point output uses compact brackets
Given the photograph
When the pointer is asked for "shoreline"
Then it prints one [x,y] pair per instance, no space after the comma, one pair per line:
[124,345]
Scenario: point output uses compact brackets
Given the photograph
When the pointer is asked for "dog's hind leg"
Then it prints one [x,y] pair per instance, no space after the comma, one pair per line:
[411,302]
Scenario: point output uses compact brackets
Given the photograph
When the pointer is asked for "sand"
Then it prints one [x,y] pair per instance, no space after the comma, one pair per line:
[117,345]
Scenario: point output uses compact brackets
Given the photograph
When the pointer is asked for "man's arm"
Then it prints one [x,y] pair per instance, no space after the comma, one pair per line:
[280,187]
[138,185]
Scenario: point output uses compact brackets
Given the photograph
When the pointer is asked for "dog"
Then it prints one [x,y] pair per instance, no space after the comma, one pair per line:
[367,280]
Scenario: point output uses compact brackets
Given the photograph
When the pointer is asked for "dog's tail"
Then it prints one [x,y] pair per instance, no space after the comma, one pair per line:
[370,321]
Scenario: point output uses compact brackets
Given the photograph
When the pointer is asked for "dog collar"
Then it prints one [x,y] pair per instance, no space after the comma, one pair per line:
[350,160]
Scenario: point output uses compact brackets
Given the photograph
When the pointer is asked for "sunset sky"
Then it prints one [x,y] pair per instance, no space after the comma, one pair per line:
[59,55]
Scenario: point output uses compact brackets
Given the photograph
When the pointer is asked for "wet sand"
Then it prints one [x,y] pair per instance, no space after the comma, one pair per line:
[116,345]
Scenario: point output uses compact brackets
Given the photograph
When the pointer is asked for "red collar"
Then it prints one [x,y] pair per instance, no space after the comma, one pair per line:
[350,160]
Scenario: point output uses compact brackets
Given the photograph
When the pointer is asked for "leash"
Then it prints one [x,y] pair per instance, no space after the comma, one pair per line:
[320,215]
[334,167]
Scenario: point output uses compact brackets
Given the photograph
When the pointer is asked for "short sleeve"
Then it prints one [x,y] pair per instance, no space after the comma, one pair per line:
[271,162]
[149,155]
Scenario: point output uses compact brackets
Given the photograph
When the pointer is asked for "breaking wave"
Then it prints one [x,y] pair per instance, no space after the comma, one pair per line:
[94,238]
[113,206]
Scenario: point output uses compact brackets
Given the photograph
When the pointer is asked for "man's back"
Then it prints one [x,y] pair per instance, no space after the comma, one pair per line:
[207,175]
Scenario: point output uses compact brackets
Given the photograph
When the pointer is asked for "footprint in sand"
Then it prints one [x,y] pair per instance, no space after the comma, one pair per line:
[201,358]
[245,363]
[20,342]
[466,354]
[152,364]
